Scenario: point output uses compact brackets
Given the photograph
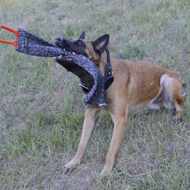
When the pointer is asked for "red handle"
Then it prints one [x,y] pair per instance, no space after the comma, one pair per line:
[14,43]
[16,32]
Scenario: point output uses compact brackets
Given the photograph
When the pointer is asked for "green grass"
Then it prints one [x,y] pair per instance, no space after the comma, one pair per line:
[41,105]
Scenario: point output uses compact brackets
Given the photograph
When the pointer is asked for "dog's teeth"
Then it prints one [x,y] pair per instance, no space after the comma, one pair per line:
[69,59]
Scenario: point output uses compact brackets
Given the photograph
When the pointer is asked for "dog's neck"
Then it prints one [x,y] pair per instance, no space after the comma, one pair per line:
[106,69]
[101,64]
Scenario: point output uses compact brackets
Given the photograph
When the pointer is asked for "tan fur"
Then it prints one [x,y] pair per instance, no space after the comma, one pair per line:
[136,85]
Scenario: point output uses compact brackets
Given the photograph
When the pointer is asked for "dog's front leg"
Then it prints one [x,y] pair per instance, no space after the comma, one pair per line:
[119,128]
[91,115]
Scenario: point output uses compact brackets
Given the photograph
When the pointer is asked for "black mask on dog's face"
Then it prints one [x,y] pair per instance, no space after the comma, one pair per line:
[76,47]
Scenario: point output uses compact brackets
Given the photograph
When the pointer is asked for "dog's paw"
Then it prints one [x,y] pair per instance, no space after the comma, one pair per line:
[106,171]
[70,167]
[177,120]
[67,170]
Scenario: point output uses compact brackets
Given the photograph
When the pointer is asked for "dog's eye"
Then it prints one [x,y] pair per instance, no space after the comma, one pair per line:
[79,43]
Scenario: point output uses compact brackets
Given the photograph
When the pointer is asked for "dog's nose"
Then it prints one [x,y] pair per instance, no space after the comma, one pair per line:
[58,39]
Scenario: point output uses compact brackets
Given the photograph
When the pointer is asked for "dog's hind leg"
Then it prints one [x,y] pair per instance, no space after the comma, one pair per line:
[91,115]
[172,96]
[178,101]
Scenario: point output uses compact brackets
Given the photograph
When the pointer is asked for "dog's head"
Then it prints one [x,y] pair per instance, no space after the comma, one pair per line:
[90,49]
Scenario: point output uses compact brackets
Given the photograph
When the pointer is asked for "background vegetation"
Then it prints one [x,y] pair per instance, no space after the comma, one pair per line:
[41,105]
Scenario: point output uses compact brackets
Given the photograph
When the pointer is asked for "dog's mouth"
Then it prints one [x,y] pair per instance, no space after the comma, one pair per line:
[69,47]
[65,58]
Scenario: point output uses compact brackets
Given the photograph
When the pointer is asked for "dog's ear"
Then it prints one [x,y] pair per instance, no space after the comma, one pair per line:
[101,43]
[82,36]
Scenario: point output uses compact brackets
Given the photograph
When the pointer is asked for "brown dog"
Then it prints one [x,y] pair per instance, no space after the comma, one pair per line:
[136,85]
